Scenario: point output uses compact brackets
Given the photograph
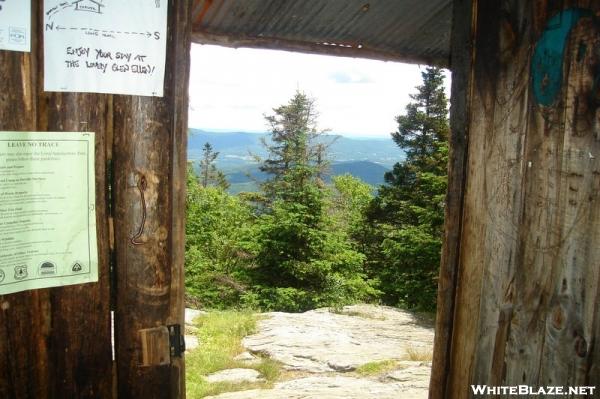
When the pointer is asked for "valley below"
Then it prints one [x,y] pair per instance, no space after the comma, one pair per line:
[365,158]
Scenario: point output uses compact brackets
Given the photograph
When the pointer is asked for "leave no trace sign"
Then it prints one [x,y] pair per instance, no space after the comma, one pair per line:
[47,210]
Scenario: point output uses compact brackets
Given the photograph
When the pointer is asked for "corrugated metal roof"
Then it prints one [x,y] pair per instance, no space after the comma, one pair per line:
[404,30]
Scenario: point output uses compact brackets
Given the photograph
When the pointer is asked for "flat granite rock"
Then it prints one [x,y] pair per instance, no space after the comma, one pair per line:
[414,376]
[329,387]
[191,314]
[320,341]
[235,376]
[191,342]
[247,358]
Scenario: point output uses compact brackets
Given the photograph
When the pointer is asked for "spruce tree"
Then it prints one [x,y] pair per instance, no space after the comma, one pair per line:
[295,142]
[209,174]
[302,261]
[407,215]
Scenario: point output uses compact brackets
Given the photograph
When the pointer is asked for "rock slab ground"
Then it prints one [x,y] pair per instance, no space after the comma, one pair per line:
[235,376]
[320,341]
[326,346]
[329,387]
[191,341]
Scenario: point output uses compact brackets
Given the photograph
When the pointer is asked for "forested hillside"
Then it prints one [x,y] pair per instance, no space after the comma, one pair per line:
[309,232]
[366,159]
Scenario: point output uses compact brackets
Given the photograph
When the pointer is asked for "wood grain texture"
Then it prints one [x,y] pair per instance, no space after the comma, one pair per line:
[155,346]
[80,349]
[24,316]
[80,338]
[528,279]
[149,158]
[180,76]
[55,342]
[462,30]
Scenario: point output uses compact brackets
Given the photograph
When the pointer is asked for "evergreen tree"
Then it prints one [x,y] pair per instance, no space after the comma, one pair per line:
[406,218]
[302,260]
[209,174]
[294,142]
[424,127]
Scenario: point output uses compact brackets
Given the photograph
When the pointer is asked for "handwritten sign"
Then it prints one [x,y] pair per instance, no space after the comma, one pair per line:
[47,210]
[15,25]
[105,46]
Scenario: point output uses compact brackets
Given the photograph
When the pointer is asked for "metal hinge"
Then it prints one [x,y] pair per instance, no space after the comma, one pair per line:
[176,340]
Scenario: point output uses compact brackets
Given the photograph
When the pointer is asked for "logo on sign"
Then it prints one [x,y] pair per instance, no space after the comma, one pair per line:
[20,272]
[76,267]
[16,35]
[47,269]
[2,275]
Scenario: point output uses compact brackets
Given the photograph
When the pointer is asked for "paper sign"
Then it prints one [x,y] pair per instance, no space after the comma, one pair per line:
[15,25]
[105,46]
[47,210]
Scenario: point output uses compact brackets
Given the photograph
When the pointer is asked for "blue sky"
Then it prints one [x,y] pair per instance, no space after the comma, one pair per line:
[231,89]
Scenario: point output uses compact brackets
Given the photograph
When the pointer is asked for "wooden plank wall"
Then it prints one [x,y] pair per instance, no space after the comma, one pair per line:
[56,343]
[527,302]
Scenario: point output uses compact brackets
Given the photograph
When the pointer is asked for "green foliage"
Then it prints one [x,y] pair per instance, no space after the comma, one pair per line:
[374,368]
[293,144]
[350,199]
[288,248]
[303,261]
[405,220]
[220,334]
[424,126]
[298,244]
[217,249]
[411,256]
[209,174]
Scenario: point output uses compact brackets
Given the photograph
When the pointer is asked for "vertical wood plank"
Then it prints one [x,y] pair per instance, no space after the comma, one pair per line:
[80,338]
[181,56]
[470,270]
[503,85]
[460,63]
[563,223]
[24,316]
[149,195]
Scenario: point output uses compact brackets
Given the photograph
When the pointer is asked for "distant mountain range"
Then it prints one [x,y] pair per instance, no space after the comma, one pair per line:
[367,159]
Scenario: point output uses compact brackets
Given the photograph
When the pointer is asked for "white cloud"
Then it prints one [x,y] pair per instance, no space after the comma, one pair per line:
[232,89]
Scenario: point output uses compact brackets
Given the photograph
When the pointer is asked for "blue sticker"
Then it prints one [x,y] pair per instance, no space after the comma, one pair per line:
[547,63]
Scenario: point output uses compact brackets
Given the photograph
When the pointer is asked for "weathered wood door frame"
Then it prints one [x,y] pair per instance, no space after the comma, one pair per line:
[519,296]
[56,343]
[464,12]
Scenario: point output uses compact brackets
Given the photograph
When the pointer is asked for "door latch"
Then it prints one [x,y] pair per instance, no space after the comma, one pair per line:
[160,345]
